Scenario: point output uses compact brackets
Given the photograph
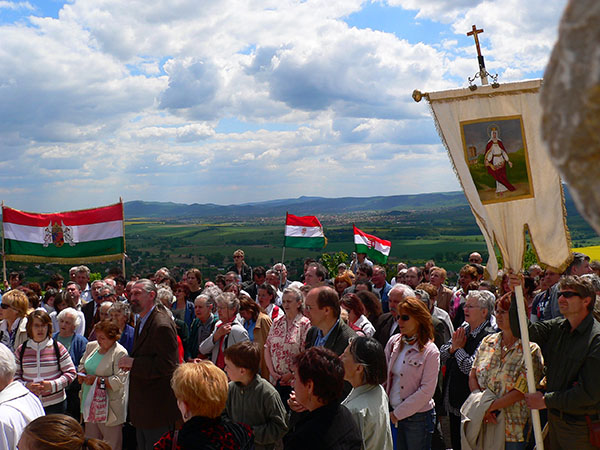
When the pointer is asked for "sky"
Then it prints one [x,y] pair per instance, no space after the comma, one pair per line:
[236,101]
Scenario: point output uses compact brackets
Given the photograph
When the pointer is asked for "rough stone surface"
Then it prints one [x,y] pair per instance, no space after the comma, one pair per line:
[571,104]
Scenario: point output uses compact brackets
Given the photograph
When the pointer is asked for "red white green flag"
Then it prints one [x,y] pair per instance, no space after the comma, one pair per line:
[304,232]
[89,235]
[376,249]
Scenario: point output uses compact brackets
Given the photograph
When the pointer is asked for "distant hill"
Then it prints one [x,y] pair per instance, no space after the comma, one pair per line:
[308,206]
[298,206]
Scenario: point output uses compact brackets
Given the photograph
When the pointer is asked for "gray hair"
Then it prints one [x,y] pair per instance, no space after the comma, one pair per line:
[594,279]
[120,307]
[146,285]
[209,301]
[164,292]
[110,288]
[212,292]
[485,300]
[72,312]
[106,303]
[404,289]
[423,296]
[8,364]
[229,301]
[80,269]
[297,293]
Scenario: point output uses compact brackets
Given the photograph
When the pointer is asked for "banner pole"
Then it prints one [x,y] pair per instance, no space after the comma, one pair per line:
[124,245]
[531,387]
[3,254]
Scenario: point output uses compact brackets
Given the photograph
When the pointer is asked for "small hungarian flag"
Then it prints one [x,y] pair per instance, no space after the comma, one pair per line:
[303,232]
[375,248]
[89,235]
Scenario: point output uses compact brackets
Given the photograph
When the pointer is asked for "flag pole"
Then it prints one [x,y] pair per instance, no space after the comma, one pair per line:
[531,387]
[283,250]
[3,255]
[123,224]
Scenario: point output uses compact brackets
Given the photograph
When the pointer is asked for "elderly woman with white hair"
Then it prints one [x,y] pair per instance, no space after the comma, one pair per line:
[68,320]
[120,313]
[459,353]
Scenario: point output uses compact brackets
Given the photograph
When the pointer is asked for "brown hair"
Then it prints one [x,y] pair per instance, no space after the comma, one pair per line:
[327,297]
[371,303]
[469,270]
[245,355]
[582,286]
[503,302]
[60,432]
[416,309]
[441,270]
[109,328]
[429,288]
[325,369]
[41,315]
[353,303]
[249,305]
[203,386]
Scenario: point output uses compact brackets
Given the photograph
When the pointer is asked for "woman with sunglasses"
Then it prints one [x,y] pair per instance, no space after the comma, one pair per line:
[365,369]
[499,367]
[412,374]
[13,312]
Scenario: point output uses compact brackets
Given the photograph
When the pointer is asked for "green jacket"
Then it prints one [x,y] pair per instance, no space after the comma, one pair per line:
[260,406]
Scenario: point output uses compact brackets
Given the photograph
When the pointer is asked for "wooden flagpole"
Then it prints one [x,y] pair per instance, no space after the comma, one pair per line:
[283,250]
[531,387]
[3,255]
[123,259]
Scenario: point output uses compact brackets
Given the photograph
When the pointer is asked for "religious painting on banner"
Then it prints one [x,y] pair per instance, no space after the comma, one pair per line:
[496,153]
[492,135]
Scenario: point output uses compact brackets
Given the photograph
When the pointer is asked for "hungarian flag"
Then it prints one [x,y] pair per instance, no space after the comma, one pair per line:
[303,232]
[376,249]
[89,235]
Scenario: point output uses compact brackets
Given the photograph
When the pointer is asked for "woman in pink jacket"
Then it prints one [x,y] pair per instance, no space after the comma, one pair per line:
[413,365]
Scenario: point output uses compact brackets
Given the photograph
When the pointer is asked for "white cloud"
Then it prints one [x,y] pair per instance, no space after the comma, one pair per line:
[130,98]
[15,5]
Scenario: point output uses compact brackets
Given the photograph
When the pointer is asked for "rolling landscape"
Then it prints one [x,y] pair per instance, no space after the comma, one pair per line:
[436,226]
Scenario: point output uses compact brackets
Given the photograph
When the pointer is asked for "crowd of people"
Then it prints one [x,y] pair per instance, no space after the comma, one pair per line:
[349,360]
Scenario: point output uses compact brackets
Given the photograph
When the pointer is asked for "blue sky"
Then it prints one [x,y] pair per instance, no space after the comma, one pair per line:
[232,103]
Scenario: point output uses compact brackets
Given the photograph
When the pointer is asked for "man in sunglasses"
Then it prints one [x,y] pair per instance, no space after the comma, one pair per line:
[571,349]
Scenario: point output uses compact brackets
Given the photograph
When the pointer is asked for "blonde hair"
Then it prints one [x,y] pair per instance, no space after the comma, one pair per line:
[203,386]
[17,300]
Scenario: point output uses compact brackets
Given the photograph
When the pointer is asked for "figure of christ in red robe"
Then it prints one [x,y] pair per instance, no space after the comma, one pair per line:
[495,162]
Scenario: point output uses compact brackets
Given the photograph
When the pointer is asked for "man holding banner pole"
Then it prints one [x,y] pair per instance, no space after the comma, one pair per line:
[571,350]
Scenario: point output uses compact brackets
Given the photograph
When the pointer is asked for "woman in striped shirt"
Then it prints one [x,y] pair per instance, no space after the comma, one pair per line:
[44,365]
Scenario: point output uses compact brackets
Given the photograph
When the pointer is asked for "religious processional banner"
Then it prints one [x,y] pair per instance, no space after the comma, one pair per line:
[493,138]
[303,232]
[89,235]
[376,249]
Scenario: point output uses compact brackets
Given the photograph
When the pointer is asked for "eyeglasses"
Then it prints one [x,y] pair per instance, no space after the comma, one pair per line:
[568,294]
[404,317]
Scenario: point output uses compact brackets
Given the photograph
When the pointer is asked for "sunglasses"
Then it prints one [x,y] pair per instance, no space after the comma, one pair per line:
[105,296]
[4,305]
[568,294]
[404,317]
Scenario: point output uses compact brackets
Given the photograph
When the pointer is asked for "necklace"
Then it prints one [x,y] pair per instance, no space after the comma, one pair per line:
[506,346]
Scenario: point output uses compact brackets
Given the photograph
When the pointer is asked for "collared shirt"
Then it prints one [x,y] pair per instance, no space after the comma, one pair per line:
[502,373]
[144,319]
[320,341]
[464,360]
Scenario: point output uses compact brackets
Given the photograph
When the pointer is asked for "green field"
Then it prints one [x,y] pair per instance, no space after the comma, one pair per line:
[446,235]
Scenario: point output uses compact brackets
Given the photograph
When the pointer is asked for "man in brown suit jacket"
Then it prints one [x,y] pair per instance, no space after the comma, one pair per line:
[152,405]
